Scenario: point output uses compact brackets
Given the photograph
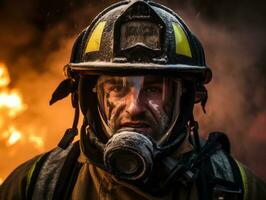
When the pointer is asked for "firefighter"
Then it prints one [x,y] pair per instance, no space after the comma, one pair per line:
[135,73]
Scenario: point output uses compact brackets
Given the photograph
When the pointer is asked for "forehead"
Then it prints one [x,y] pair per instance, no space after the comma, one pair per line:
[105,79]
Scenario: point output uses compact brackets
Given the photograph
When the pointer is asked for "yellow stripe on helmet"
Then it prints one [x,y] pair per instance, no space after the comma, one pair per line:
[181,41]
[95,38]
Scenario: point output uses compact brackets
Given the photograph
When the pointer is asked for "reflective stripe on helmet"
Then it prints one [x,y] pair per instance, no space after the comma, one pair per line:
[181,41]
[95,38]
[244,180]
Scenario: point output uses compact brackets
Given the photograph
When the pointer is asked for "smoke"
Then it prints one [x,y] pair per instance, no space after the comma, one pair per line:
[35,44]
[236,103]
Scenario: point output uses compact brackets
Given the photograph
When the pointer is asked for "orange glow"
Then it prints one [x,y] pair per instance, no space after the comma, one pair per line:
[37,141]
[4,76]
[1,181]
[11,107]
[10,99]
[13,136]
[12,102]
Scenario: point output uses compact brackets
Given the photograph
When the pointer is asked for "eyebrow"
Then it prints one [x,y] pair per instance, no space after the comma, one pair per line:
[110,81]
[147,80]
[114,81]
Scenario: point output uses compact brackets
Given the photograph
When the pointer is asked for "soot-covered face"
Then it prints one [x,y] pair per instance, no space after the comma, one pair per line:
[144,104]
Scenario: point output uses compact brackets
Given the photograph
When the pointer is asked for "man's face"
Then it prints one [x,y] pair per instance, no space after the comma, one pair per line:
[143,104]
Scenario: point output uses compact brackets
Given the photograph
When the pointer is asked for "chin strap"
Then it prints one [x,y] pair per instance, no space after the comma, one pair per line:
[70,133]
[66,87]
[194,132]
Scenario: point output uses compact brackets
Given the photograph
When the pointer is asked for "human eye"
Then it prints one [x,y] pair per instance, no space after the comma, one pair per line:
[153,89]
[116,88]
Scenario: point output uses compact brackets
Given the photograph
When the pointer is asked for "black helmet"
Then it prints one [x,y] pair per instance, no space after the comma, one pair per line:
[137,37]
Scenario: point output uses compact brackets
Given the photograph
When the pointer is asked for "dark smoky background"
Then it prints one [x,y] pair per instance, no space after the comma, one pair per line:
[35,43]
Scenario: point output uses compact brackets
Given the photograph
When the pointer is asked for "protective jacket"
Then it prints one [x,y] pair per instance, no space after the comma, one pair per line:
[68,174]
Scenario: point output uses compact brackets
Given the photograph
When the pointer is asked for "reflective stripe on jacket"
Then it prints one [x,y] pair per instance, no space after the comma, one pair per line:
[93,183]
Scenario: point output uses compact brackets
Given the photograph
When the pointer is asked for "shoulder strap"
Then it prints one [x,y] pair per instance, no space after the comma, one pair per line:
[68,175]
[226,178]
[219,176]
[45,176]
[33,174]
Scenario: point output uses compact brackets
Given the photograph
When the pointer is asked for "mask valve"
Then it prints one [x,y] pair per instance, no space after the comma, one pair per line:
[129,155]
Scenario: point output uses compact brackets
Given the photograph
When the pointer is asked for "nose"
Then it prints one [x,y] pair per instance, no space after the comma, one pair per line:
[134,104]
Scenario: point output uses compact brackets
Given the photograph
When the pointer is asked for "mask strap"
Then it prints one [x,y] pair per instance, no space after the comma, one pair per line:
[93,138]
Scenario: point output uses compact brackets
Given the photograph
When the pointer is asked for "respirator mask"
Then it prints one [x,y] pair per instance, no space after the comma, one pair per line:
[137,114]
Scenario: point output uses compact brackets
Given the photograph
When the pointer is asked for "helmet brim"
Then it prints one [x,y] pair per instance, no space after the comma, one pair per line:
[200,73]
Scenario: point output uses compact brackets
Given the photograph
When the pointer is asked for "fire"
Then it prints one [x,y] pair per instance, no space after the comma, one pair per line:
[11,106]
[37,141]
[4,76]
[12,136]
[11,101]
[16,133]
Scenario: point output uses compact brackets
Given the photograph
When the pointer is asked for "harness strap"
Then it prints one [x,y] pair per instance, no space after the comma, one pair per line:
[33,174]
[54,174]
[226,181]
[43,177]
[219,176]
[68,175]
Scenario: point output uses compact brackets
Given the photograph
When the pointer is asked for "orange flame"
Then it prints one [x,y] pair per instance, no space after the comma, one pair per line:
[12,135]
[11,101]
[11,105]
[4,76]
[37,141]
